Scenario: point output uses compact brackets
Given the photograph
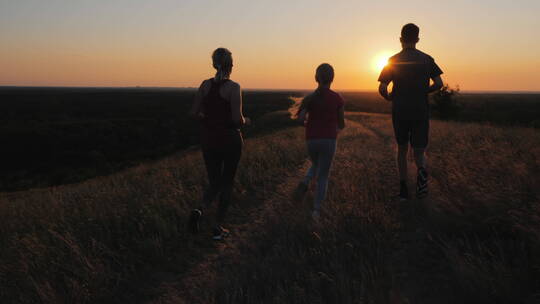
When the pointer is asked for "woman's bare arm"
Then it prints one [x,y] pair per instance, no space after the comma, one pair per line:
[196,107]
[236,105]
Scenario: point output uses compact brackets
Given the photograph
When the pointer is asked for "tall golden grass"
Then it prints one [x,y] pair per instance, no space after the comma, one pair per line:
[475,240]
[484,208]
[81,243]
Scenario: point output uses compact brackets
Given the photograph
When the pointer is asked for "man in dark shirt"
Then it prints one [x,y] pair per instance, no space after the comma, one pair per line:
[410,72]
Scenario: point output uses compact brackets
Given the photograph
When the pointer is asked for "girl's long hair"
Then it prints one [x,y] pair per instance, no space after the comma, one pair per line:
[324,75]
[223,63]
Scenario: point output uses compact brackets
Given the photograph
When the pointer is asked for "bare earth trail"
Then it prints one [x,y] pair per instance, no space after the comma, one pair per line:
[195,283]
[186,287]
[417,276]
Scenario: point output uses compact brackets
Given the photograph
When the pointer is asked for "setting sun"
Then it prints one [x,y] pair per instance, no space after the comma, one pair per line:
[380,61]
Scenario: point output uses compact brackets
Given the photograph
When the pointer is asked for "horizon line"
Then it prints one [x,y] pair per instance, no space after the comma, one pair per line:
[248,89]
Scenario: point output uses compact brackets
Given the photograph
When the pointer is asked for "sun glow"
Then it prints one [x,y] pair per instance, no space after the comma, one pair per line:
[380,61]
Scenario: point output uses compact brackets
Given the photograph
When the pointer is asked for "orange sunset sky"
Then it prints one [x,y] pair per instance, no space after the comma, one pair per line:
[480,45]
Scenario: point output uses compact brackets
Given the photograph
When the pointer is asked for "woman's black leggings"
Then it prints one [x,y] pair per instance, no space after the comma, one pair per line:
[221,164]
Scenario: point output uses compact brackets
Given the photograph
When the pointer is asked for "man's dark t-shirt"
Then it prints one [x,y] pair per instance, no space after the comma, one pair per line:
[410,71]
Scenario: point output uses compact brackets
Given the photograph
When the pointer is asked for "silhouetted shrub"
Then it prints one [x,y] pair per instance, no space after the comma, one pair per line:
[445,104]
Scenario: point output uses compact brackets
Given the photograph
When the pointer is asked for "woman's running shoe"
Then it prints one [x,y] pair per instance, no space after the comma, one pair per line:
[403,191]
[194,219]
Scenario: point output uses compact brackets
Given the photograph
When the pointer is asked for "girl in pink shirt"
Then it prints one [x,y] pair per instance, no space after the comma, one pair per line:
[323,115]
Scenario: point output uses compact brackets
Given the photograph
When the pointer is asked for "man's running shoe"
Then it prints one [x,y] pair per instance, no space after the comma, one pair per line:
[422,183]
[403,191]
[194,219]
[300,192]
[220,233]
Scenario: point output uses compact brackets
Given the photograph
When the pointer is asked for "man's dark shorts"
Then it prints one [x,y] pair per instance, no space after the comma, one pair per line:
[414,131]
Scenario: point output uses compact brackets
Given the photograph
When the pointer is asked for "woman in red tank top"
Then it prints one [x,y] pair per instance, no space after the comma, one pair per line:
[323,116]
[218,107]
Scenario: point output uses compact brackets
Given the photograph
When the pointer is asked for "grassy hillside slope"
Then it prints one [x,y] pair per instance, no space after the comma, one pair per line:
[122,238]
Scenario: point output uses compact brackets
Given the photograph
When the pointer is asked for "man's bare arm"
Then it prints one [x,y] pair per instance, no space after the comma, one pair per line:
[383,90]
[437,84]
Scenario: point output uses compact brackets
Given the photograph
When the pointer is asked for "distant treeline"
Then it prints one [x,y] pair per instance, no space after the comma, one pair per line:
[509,109]
[503,109]
[53,136]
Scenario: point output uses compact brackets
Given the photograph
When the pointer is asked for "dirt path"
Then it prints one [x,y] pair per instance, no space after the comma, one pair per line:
[196,284]
[190,287]
[415,264]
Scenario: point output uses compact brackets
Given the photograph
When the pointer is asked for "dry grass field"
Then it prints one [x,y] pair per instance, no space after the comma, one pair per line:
[122,238]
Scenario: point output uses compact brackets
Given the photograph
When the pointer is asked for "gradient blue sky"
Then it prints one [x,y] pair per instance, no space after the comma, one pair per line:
[480,45]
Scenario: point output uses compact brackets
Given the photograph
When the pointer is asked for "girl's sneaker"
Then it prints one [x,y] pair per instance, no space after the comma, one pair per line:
[316,215]
[220,233]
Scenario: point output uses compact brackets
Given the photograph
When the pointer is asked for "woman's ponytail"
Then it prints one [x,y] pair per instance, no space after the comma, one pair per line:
[223,63]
